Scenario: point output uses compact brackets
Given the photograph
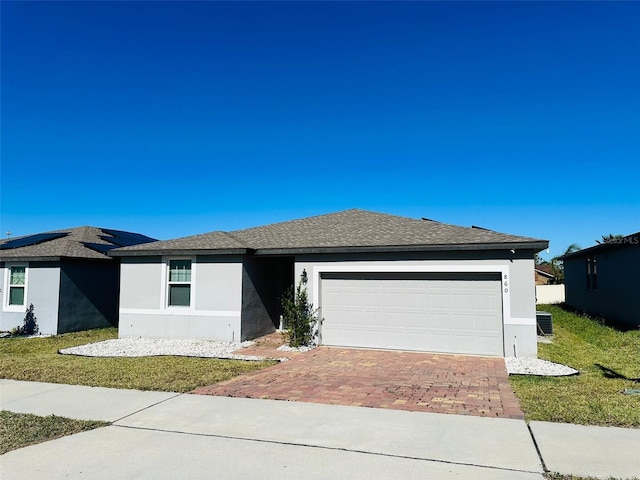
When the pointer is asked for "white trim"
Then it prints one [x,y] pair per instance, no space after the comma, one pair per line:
[178,312]
[163,284]
[7,287]
[520,321]
[503,270]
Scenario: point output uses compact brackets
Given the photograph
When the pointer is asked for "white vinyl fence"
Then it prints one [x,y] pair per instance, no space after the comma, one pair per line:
[549,294]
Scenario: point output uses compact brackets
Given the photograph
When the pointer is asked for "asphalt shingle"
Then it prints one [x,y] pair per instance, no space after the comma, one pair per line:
[206,241]
[361,228]
[344,230]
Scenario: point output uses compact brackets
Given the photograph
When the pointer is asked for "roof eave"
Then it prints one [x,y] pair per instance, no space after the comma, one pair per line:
[52,258]
[536,246]
[590,250]
[177,252]
[632,240]
[543,273]
[27,258]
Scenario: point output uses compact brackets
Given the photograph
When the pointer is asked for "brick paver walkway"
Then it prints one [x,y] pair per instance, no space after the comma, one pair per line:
[384,379]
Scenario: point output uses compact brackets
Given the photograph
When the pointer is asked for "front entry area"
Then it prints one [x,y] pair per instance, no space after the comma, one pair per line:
[431,312]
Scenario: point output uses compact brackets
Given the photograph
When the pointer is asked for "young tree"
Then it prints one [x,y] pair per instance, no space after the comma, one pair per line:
[30,324]
[299,316]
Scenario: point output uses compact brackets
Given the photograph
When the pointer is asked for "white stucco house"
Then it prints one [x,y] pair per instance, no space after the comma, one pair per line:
[66,275]
[379,281]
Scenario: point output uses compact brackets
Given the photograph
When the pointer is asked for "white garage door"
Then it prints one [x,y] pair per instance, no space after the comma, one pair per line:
[453,313]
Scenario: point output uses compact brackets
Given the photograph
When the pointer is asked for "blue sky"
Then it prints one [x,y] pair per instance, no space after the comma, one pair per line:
[177,118]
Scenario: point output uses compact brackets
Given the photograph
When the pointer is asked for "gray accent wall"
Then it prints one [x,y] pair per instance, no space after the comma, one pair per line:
[88,295]
[264,281]
[617,296]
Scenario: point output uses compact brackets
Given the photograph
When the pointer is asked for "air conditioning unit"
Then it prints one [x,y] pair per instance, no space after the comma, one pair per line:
[545,324]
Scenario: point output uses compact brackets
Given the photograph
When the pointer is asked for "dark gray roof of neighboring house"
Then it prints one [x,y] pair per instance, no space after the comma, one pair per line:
[350,230]
[628,241]
[81,242]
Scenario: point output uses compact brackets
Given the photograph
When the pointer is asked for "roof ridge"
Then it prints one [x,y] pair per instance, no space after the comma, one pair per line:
[305,219]
[236,239]
[68,240]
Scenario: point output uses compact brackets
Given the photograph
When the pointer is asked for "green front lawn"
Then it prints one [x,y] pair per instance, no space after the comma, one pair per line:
[18,430]
[608,361]
[37,359]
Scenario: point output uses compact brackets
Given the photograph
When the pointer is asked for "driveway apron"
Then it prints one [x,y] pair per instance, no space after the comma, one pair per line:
[425,382]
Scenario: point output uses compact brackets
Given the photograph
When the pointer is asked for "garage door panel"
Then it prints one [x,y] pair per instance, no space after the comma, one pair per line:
[463,323]
[484,323]
[422,312]
[437,321]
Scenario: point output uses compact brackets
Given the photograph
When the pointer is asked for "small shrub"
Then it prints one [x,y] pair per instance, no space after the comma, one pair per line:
[299,317]
[30,326]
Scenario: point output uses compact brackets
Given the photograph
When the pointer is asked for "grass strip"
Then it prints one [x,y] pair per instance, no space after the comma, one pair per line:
[37,359]
[609,363]
[18,430]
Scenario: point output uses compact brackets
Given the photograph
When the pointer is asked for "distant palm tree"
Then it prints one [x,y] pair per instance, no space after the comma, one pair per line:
[574,247]
[609,239]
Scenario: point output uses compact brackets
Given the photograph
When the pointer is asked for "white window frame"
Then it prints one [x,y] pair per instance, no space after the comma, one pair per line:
[167,284]
[7,287]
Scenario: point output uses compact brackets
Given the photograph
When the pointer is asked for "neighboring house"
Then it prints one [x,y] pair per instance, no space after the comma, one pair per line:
[66,275]
[543,275]
[603,280]
[379,281]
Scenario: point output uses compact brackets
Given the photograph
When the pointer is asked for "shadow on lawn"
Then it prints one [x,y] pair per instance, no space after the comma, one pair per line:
[608,373]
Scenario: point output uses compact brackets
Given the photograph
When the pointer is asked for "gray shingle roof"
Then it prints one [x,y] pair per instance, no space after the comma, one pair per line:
[80,242]
[360,228]
[220,242]
[349,230]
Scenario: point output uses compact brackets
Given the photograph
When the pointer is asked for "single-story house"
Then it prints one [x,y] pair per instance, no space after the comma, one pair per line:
[379,281]
[603,280]
[67,276]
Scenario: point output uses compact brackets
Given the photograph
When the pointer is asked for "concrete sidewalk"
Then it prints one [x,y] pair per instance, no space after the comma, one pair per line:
[75,401]
[167,435]
[589,451]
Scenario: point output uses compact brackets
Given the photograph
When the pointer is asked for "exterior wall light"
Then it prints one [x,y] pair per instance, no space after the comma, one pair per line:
[303,277]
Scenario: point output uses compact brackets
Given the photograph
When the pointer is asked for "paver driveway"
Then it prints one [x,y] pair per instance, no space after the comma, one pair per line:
[384,379]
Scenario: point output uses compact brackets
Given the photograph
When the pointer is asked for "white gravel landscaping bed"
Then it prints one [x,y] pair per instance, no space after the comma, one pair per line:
[537,366]
[287,348]
[147,347]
